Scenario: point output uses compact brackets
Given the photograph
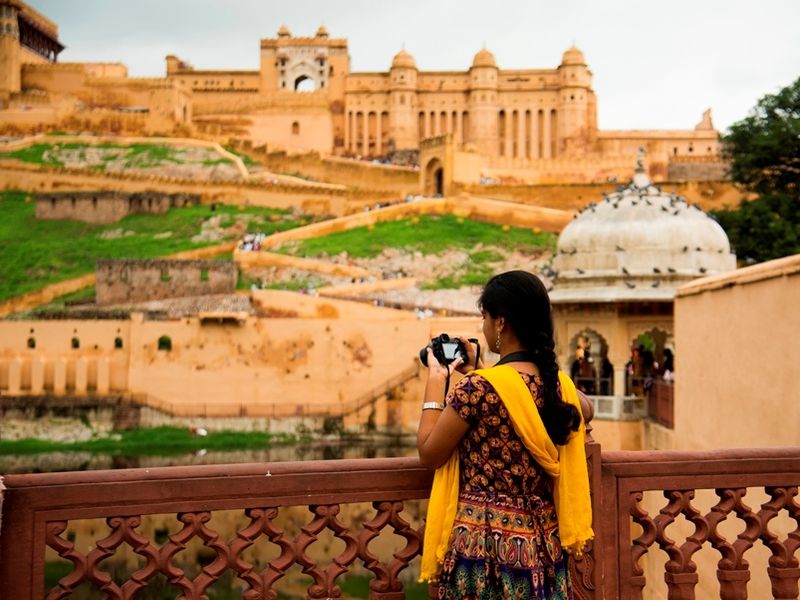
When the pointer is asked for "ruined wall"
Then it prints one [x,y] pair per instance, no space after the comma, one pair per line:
[698,168]
[107,206]
[123,281]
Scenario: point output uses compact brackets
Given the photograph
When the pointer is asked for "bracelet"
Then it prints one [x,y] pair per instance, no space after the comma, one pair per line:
[433,406]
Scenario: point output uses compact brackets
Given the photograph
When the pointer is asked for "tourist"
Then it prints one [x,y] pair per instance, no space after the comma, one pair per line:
[511,492]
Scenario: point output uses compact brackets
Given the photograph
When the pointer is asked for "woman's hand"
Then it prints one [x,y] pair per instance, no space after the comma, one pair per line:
[472,355]
[438,371]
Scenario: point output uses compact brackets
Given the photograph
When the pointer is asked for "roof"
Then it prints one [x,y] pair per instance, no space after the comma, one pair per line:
[780,267]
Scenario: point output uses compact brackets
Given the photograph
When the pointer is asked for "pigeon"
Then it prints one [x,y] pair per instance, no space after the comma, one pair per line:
[580,271]
[574,250]
[671,270]
[646,201]
[677,211]
[699,249]
[630,285]
[624,270]
[656,270]
[686,248]
[703,269]
[619,248]
[656,284]
[665,209]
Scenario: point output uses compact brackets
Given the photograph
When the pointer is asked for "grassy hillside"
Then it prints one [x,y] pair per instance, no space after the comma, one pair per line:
[35,253]
[428,234]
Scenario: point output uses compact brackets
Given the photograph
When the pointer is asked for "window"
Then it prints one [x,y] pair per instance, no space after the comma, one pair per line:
[165,343]
[75,343]
[203,274]
[165,275]
[118,343]
[295,128]
[31,343]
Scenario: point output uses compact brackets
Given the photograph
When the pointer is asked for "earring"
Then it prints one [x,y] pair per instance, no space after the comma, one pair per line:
[497,343]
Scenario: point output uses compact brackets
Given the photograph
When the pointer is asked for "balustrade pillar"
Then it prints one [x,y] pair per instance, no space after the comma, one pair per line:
[103,375]
[81,375]
[15,375]
[619,379]
[37,375]
[60,376]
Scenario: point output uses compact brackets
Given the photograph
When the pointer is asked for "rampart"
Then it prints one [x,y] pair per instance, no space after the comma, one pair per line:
[107,206]
[122,281]
[698,168]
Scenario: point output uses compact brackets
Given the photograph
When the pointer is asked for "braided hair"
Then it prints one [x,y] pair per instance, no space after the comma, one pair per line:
[521,299]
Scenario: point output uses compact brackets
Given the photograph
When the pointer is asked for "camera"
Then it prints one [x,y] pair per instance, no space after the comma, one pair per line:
[445,349]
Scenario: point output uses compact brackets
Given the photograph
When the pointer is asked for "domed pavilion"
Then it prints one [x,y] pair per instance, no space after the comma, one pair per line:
[618,265]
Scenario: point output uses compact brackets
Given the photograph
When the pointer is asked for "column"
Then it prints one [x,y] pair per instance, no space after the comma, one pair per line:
[81,375]
[60,376]
[103,375]
[460,126]
[535,134]
[521,134]
[37,375]
[378,133]
[348,118]
[509,145]
[15,375]
[546,142]
[427,124]
[437,126]
[449,127]
[365,135]
[619,378]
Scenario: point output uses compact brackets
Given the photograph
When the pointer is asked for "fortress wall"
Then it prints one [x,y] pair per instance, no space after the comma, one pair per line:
[698,171]
[355,173]
[54,366]
[123,281]
[45,294]
[709,194]
[249,260]
[107,207]
[17,176]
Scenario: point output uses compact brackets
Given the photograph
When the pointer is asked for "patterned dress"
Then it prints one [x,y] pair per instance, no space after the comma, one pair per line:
[505,541]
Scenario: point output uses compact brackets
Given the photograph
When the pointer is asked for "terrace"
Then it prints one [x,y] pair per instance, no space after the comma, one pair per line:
[38,509]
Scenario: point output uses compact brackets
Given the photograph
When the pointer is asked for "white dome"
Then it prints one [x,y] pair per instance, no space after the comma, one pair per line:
[638,243]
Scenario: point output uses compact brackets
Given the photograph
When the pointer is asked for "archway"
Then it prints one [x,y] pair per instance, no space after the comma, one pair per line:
[650,350]
[304,84]
[434,178]
[590,368]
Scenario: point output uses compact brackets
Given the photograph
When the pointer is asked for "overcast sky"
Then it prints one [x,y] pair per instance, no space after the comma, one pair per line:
[656,65]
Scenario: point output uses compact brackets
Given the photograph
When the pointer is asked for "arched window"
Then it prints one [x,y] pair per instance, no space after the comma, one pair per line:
[165,343]
[75,343]
[31,342]
[118,343]
[295,128]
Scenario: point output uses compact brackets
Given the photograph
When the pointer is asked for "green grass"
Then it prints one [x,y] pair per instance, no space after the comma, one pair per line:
[245,159]
[35,253]
[431,235]
[153,441]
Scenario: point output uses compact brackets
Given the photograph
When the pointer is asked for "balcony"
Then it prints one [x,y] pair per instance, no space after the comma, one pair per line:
[38,509]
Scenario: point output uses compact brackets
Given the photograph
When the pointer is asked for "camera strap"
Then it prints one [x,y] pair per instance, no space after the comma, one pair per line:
[521,356]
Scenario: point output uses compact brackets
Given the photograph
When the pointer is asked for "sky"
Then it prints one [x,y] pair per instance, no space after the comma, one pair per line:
[656,65]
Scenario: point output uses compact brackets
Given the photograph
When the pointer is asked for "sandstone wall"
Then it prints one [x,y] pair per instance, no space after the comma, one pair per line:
[107,206]
[123,281]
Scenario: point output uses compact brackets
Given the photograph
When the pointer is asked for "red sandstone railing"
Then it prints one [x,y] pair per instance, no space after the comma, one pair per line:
[39,507]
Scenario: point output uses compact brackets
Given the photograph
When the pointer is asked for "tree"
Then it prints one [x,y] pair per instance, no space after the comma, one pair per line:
[764,149]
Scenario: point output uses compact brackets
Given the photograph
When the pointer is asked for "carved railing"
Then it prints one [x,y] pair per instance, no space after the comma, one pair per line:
[39,509]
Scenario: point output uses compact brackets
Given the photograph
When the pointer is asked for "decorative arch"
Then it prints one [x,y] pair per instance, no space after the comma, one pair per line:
[434,178]
[589,366]
[647,345]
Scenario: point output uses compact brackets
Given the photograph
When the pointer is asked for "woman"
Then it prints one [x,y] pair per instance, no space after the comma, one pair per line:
[511,489]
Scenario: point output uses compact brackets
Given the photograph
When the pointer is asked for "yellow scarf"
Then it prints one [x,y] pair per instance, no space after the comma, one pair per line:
[566,464]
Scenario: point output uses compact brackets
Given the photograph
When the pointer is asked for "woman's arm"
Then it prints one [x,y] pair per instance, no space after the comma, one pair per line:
[439,431]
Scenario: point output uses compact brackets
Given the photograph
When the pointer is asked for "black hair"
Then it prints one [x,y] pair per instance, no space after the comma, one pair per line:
[521,299]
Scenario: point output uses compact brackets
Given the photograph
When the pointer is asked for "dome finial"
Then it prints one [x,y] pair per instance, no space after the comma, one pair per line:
[640,178]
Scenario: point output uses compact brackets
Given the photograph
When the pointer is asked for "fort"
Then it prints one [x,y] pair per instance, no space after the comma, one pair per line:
[108,206]
[528,124]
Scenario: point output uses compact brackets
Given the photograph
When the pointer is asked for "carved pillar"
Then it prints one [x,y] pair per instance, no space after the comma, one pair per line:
[81,375]
[378,134]
[427,124]
[348,117]
[509,134]
[103,375]
[520,134]
[365,135]
[37,375]
[460,126]
[535,133]
[60,376]
[15,375]
[619,379]
[546,139]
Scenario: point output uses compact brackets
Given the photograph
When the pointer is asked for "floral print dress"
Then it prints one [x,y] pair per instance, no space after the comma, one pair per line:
[505,541]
